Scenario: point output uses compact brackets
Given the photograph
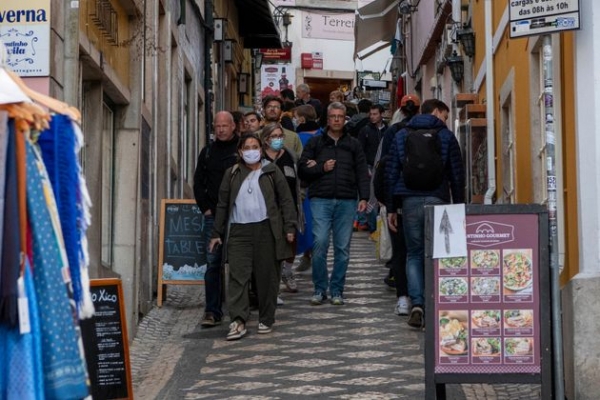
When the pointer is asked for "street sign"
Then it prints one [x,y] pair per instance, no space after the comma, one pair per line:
[537,17]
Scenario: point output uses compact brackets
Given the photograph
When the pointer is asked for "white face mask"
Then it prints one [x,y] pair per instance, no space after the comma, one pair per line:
[251,156]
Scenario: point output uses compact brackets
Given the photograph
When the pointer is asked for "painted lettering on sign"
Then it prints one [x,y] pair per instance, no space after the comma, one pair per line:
[23,16]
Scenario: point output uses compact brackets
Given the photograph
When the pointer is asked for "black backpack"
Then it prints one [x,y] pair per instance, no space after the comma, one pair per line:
[422,167]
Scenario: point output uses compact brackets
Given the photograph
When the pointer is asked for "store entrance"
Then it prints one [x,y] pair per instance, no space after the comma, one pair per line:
[320,88]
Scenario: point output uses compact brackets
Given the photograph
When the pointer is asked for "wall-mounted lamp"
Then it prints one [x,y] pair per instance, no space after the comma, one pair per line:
[228,50]
[258,59]
[243,80]
[456,65]
[405,7]
[466,36]
[220,29]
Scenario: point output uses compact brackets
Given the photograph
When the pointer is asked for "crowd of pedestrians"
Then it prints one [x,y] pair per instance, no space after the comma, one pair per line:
[289,180]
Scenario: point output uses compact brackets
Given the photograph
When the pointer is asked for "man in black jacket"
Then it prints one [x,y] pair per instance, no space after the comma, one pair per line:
[213,160]
[335,168]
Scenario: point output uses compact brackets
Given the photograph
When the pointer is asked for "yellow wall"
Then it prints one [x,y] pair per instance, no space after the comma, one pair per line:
[117,56]
[512,54]
[567,81]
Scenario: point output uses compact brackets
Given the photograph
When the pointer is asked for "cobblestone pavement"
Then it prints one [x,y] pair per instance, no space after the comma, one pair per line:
[360,350]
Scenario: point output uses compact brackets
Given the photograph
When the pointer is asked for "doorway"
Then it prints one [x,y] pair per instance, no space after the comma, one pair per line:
[321,87]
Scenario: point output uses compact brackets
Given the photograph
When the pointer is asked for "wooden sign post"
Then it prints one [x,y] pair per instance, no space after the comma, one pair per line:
[181,248]
[106,343]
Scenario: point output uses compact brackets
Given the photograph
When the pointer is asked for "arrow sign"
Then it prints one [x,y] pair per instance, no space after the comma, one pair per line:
[446,229]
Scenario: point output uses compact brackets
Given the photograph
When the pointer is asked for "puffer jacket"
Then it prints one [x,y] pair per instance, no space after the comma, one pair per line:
[453,185]
[281,211]
[350,177]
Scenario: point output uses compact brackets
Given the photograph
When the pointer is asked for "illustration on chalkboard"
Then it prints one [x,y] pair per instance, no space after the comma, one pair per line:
[185,272]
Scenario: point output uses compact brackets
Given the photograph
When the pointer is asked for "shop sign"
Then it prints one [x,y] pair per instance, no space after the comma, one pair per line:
[284,54]
[328,26]
[25,32]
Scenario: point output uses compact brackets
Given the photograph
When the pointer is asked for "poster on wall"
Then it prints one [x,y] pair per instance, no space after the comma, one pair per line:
[25,32]
[276,77]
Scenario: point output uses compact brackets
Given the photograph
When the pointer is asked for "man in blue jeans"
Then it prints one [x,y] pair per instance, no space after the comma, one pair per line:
[212,162]
[335,168]
[431,121]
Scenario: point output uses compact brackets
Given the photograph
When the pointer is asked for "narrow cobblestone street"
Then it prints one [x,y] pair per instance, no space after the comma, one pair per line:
[360,350]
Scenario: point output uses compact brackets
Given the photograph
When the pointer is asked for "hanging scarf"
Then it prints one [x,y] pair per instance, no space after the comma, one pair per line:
[22,376]
[64,368]
[57,146]
[3,148]
[11,244]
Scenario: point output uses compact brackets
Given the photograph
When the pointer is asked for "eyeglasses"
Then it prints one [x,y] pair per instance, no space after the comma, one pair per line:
[277,137]
[336,117]
[273,107]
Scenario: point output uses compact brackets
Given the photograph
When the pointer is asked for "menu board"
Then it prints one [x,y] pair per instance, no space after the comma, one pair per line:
[181,252]
[105,342]
[487,304]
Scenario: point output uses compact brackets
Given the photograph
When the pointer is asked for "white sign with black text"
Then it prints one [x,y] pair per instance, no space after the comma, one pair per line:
[537,17]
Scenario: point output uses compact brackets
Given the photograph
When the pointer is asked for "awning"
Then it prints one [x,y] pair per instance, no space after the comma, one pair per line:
[256,25]
[435,33]
[374,27]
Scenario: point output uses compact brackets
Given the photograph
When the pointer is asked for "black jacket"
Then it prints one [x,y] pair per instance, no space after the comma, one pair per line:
[349,178]
[369,138]
[212,162]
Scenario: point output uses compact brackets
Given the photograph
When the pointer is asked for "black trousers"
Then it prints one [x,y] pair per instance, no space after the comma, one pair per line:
[251,249]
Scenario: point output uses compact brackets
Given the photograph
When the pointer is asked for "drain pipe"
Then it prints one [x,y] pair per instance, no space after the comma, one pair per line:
[208,84]
[489,95]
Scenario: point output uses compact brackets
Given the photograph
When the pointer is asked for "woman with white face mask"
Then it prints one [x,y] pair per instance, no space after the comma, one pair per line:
[256,219]
[275,152]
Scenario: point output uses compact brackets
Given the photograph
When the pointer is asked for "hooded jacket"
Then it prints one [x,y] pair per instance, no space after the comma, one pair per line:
[453,184]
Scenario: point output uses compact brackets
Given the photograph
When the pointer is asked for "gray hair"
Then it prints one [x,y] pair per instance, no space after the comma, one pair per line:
[336,105]
[303,87]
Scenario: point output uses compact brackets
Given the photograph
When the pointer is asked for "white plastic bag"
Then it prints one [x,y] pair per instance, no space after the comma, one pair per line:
[385,240]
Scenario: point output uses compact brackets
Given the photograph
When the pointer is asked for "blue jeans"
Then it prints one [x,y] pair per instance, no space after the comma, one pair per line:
[331,217]
[213,277]
[413,216]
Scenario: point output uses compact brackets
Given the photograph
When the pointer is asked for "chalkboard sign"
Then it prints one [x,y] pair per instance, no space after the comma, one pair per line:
[181,248]
[106,344]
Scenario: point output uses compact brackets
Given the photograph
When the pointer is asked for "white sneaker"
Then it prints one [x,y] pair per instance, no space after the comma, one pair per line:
[403,306]
[262,328]
[279,301]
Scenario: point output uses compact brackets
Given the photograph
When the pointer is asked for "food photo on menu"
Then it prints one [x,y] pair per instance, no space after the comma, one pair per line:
[518,347]
[517,272]
[485,319]
[518,318]
[453,263]
[486,346]
[485,286]
[453,286]
[485,259]
[453,333]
